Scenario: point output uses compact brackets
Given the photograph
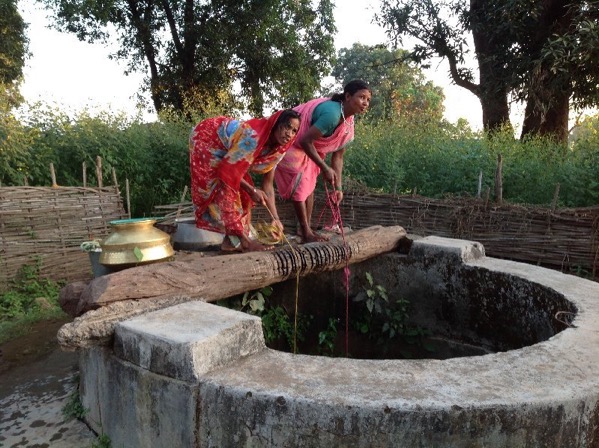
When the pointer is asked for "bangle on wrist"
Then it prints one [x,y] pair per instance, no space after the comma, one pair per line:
[338,188]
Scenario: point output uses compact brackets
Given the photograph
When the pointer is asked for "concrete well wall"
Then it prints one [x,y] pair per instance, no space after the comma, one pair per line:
[199,375]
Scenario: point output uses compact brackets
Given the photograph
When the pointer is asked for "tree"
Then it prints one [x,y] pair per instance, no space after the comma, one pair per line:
[13,51]
[399,88]
[277,50]
[515,44]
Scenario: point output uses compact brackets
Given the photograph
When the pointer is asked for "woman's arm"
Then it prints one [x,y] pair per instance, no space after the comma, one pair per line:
[258,196]
[269,191]
[307,143]
[337,165]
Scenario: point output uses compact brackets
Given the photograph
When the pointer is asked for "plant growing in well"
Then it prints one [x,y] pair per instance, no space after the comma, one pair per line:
[385,319]
[326,338]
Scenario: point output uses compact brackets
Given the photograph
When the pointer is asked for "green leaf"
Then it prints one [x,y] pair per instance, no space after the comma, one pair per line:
[244,300]
[369,278]
[138,254]
[370,305]
[258,303]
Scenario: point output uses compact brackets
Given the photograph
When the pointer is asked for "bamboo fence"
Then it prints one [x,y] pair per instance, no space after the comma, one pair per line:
[45,226]
[563,239]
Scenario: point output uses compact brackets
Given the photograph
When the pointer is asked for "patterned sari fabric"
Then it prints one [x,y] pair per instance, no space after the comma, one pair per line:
[297,173]
[222,151]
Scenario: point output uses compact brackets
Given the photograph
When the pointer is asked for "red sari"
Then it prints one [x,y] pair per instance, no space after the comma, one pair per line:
[222,151]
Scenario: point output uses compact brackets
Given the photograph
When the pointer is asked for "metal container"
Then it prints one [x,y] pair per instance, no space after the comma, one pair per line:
[135,242]
[188,237]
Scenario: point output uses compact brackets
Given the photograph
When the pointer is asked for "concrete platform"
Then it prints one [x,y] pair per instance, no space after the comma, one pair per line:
[199,375]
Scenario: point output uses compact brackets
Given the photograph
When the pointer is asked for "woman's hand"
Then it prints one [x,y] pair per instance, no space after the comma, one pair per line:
[330,175]
[337,196]
[258,196]
[278,224]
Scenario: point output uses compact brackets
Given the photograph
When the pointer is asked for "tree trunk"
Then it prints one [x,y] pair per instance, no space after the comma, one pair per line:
[496,112]
[548,100]
[547,114]
[493,88]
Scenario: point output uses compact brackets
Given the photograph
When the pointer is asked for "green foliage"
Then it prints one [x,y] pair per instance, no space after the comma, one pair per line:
[437,159]
[255,301]
[153,157]
[199,50]
[13,43]
[327,337]
[20,300]
[440,160]
[383,319]
[28,299]
[539,52]
[399,89]
[102,442]
[73,407]
[277,324]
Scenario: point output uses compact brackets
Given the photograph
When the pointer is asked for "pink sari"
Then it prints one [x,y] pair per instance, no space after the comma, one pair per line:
[296,173]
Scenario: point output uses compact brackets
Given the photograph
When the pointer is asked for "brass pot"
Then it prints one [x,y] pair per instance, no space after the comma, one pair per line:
[134,242]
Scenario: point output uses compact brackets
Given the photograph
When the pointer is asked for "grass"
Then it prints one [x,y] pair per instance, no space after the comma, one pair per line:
[29,299]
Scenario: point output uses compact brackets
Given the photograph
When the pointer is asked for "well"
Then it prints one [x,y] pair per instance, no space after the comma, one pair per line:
[199,375]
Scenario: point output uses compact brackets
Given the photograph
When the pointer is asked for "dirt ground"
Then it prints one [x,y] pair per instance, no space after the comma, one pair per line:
[37,379]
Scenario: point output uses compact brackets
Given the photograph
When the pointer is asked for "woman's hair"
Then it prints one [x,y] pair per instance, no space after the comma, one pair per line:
[351,88]
[285,116]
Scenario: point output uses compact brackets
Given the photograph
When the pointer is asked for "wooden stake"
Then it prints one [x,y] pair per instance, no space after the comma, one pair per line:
[555,197]
[480,184]
[181,203]
[84,173]
[128,198]
[114,181]
[499,181]
[53,176]
[99,171]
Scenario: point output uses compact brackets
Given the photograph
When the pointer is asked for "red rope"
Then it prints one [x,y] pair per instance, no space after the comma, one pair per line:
[336,219]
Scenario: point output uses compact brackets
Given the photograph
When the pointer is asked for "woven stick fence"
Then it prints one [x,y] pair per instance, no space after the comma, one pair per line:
[45,226]
[563,239]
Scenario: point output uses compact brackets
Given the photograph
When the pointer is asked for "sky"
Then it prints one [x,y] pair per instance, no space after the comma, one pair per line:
[74,75]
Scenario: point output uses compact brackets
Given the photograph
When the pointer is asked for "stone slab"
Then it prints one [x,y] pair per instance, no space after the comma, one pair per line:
[188,340]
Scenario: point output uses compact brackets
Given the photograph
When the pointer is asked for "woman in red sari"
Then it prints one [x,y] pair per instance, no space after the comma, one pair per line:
[222,152]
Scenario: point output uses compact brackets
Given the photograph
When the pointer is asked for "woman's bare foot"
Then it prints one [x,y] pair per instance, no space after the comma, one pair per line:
[312,237]
[228,246]
[254,246]
[232,243]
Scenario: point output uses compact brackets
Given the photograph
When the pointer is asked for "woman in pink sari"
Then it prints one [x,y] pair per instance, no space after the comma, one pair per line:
[222,152]
[327,126]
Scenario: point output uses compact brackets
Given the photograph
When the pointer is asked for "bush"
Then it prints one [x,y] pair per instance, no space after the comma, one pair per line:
[29,299]
[436,158]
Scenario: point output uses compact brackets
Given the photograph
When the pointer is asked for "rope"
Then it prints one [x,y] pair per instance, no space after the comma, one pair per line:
[296,253]
[337,220]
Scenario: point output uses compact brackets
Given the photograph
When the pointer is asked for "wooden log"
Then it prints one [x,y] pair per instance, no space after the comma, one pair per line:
[69,297]
[136,291]
[209,278]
